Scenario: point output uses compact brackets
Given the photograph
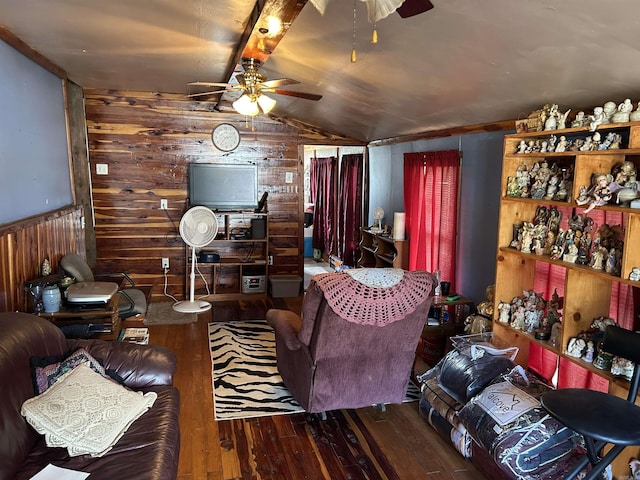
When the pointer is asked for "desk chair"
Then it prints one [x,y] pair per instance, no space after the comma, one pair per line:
[601,418]
[132,300]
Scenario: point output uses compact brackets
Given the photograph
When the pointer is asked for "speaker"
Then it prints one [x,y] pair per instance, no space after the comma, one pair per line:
[258,228]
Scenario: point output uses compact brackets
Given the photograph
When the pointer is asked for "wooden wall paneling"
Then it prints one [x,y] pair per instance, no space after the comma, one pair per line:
[26,244]
[147,140]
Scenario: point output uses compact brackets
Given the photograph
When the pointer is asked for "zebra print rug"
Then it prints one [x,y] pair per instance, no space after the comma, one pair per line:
[246,382]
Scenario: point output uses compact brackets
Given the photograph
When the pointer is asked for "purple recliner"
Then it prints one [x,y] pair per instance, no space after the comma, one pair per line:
[355,344]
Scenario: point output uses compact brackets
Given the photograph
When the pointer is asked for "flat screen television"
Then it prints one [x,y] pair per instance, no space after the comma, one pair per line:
[223,187]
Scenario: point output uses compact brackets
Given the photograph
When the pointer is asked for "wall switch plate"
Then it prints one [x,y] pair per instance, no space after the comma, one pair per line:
[165,263]
[288,177]
[164,204]
[102,169]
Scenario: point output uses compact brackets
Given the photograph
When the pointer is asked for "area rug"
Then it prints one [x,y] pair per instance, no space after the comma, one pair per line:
[246,382]
[162,313]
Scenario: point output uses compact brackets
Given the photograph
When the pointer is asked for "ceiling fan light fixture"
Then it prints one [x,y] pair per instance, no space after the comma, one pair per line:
[266,103]
[246,106]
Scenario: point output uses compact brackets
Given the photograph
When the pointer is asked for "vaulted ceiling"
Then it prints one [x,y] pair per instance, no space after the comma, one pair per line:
[464,62]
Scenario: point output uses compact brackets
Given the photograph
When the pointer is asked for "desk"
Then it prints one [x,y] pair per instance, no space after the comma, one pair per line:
[106,317]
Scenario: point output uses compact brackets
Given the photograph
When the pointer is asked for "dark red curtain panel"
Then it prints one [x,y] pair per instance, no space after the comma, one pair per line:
[324,172]
[431,211]
[350,207]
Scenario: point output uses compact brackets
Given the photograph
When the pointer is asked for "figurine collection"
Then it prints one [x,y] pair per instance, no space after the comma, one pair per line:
[580,243]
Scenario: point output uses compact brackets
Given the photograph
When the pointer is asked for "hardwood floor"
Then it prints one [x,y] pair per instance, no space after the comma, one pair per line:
[363,444]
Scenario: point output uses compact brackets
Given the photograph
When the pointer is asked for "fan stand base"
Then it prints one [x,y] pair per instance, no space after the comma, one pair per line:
[195,306]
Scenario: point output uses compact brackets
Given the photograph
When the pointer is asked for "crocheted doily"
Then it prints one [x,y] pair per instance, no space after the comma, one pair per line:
[355,296]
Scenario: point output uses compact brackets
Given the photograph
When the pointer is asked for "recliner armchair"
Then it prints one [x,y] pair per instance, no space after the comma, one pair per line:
[356,342]
[132,300]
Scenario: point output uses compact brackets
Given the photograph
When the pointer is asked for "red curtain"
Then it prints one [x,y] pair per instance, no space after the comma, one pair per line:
[431,211]
[350,207]
[324,172]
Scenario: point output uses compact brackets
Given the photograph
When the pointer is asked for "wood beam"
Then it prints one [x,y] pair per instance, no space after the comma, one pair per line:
[11,39]
[274,20]
[503,125]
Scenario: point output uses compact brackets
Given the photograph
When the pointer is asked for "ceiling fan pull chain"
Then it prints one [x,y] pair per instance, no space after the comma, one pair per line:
[374,34]
[353,50]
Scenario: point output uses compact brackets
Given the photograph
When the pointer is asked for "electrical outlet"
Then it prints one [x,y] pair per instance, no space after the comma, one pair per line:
[270,260]
[164,204]
[165,263]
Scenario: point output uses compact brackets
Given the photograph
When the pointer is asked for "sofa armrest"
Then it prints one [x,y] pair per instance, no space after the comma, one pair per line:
[139,366]
[286,325]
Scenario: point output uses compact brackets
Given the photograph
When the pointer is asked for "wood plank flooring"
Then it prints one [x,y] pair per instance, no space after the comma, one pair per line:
[367,444]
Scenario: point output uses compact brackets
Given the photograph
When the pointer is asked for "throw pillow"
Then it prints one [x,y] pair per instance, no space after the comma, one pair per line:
[85,412]
[49,369]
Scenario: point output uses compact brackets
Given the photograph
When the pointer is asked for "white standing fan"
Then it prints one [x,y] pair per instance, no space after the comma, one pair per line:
[198,227]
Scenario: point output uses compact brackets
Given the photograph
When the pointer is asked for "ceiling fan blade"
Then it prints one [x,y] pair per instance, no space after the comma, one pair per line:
[291,93]
[210,84]
[279,81]
[207,93]
[414,7]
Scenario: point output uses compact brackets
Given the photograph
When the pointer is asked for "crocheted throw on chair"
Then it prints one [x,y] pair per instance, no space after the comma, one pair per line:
[374,296]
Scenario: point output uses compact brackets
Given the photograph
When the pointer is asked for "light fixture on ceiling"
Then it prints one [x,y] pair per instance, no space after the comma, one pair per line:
[251,105]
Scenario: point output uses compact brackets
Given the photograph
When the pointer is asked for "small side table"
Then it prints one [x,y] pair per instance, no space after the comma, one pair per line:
[106,317]
[435,335]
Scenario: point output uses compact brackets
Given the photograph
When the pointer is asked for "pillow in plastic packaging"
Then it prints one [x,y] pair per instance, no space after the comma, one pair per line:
[463,376]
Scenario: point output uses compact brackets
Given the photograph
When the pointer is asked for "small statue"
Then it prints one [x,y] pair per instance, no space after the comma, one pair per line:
[562,144]
[505,310]
[596,119]
[522,147]
[635,274]
[600,193]
[595,141]
[609,109]
[579,121]
[576,347]
[623,112]
[635,115]
[621,367]
[45,269]
[588,356]
[556,334]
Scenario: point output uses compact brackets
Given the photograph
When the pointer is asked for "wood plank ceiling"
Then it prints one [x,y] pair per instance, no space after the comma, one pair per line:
[462,63]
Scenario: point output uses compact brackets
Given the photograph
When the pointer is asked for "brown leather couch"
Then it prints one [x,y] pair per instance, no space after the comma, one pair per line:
[150,447]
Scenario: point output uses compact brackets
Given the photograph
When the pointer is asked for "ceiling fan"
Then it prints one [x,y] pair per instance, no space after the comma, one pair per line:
[253,86]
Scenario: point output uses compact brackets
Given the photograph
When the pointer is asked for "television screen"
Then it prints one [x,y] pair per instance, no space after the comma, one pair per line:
[223,186]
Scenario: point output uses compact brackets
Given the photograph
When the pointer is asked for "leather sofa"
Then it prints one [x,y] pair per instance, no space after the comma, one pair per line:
[149,448]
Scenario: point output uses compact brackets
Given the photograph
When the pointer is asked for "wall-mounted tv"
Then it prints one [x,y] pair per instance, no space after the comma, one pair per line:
[223,187]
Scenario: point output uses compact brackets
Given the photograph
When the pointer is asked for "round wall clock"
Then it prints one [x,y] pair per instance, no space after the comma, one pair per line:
[225,137]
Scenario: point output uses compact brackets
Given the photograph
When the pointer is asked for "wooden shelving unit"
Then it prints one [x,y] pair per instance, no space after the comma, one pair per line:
[379,250]
[587,292]
[241,256]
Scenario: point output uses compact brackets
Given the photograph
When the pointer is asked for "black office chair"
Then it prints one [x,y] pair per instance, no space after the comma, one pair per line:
[601,418]
[132,300]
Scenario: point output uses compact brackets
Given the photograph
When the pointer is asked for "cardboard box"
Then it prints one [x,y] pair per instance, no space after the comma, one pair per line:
[282,286]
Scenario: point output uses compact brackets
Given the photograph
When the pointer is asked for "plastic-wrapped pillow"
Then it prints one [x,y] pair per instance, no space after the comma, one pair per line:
[463,376]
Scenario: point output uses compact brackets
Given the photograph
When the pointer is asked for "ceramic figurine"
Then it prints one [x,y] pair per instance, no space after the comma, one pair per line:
[600,193]
[588,356]
[596,119]
[635,115]
[609,109]
[595,141]
[45,269]
[522,147]
[576,347]
[635,274]
[556,333]
[623,112]
[562,144]
[579,121]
